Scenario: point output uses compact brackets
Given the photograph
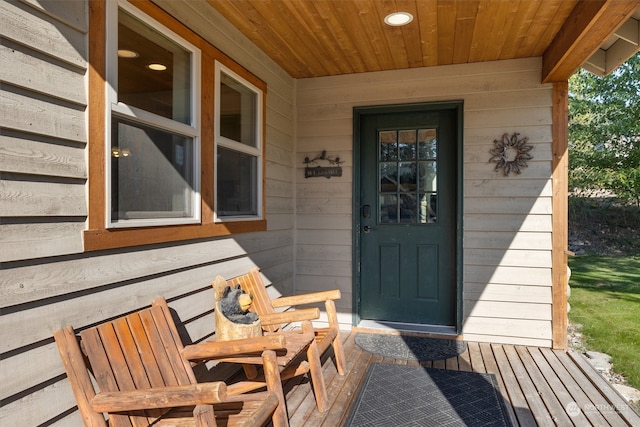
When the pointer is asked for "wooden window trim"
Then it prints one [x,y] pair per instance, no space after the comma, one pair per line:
[97,236]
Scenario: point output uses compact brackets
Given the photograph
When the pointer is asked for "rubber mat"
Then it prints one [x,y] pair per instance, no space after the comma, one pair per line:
[401,395]
[410,347]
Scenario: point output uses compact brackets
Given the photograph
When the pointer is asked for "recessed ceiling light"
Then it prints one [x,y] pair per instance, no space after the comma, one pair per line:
[157,67]
[126,53]
[397,19]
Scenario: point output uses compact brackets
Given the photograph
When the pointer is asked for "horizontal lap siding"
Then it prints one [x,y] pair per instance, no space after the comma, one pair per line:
[43,138]
[507,220]
[46,281]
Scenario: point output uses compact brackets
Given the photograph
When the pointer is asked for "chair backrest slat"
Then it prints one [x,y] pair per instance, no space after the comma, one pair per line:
[137,367]
[130,352]
[108,362]
[171,340]
[148,360]
[253,284]
[138,351]
[160,354]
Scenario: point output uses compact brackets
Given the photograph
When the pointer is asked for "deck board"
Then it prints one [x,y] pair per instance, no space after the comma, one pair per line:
[491,365]
[556,386]
[616,403]
[536,385]
[516,398]
[532,398]
[555,408]
[594,395]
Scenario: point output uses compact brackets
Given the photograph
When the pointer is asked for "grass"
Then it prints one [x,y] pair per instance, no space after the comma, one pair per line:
[605,300]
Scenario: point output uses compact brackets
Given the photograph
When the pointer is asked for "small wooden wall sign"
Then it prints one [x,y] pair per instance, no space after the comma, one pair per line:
[325,171]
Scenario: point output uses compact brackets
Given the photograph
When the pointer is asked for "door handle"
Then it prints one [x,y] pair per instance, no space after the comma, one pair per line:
[366,229]
[366,211]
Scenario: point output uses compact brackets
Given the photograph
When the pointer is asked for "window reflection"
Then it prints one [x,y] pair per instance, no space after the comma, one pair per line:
[151,173]
[408,176]
[142,81]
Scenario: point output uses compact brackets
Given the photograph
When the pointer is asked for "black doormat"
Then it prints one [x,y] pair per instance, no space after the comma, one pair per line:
[410,347]
[400,395]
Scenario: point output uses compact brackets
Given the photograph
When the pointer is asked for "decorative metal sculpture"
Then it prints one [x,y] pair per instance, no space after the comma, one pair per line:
[511,153]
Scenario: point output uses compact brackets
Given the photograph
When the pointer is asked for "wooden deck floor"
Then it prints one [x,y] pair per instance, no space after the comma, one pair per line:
[540,386]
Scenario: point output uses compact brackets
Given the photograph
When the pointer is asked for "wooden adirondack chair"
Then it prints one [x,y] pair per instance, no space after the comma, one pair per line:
[296,345]
[272,322]
[143,378]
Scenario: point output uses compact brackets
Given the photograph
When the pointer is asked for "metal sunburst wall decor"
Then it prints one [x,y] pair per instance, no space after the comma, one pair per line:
[511,153]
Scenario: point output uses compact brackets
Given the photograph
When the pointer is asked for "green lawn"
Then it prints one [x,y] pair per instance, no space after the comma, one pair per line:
[605,299]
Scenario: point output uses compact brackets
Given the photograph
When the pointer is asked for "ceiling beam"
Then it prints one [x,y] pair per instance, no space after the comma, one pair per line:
[589,25]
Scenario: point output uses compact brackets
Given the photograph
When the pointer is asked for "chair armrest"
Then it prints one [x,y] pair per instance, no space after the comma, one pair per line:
[212,350]
[289,316]
[156,398]
[306,298]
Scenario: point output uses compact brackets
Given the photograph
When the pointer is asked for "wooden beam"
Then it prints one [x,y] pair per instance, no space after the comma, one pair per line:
[96,124]
[584,31]
[560,225]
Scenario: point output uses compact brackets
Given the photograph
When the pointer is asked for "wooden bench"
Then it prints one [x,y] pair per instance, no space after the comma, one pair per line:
[143,378]
[272,322]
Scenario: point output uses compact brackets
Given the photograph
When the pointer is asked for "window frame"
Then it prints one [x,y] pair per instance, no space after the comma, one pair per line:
[116,108]
[230,144]
[98,235]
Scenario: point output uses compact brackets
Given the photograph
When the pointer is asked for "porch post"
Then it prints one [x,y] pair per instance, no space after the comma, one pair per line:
[560,225]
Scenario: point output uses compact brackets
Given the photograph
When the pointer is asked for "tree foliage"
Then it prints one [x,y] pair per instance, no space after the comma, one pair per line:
[604,132]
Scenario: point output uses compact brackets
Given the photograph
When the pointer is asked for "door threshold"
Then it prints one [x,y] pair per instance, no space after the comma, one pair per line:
[399,328]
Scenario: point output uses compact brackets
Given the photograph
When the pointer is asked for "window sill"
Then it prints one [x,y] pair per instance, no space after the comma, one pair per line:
[98,239]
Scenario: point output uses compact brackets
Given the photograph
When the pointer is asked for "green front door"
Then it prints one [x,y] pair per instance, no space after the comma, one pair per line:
[408,216]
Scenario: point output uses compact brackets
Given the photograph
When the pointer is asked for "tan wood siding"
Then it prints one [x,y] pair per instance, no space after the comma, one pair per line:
[46,281]
[30,155]
[43,141]
[29,26]
[507,220]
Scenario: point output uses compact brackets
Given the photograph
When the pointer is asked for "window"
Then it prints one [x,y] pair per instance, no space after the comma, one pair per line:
[154,132]
[176,133]
[238,146]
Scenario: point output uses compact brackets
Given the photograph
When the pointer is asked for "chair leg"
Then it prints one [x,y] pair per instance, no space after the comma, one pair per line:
[315,366]
[338,352]
[274,385]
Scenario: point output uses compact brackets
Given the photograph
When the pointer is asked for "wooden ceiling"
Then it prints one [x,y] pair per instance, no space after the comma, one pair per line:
[312,38]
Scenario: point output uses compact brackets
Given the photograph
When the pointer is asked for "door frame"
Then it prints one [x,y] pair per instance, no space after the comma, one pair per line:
[358,114]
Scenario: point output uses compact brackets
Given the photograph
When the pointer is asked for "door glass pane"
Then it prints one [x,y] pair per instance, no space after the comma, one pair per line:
[408,208]
[151,173]
[388,176]
[408,174]
[427,143]
[408,179]
[407,144]
[388,209]
[237,190]
[238,111]
[154,72]
[427,208]
[427,175]
[388,145]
